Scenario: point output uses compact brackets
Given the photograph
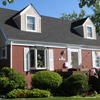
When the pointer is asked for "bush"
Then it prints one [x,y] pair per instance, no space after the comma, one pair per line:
[76,84]
[10,80]
[20,93]
[39,93]
[46,80]
[94,82]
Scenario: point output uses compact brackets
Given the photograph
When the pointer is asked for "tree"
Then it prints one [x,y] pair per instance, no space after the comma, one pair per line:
[74,16]
[4,2]
[89,3]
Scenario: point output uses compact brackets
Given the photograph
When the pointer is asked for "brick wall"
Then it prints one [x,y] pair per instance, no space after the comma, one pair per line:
[87,58]
[58,53]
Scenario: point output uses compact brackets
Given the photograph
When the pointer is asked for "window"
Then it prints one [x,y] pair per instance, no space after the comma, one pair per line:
[3,53]
[97,59]
[89,32]
[30,23]
[38,58]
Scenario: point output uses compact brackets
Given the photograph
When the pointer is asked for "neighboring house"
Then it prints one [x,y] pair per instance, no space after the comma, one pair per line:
[29,41]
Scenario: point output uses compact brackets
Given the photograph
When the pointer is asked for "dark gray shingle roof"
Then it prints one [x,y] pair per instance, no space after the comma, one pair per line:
[53,30]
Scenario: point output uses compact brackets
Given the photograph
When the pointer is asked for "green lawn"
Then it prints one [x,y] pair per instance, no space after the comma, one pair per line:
[57,98]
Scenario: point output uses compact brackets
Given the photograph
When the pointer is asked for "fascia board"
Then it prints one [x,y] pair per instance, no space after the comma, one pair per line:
[77,26]
[87,20]
[29,8]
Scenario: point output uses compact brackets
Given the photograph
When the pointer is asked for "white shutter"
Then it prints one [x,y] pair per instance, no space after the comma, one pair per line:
[79,58]
[69,57]
[26,59]
[93,58]
[51,60]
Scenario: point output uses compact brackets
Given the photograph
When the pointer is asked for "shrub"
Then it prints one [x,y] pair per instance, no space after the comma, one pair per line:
[5,71]
[14,93]
[20,93]
[94,82]
[46,80]
[10,80]
[76,84]
[39,93]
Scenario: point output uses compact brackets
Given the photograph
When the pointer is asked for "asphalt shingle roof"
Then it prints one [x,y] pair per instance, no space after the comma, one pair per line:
[53,30]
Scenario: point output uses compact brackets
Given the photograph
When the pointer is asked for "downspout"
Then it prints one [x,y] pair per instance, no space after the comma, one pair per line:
[11,54]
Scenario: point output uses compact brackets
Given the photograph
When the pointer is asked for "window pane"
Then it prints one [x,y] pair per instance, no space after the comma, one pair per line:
[97,63]
[32,58]
[3,53]
[40,59]
[89,31]
[30,26]
[30,20]
[30,23]
[97,59]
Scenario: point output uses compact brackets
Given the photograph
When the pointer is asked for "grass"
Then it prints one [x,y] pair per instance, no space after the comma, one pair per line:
[57,98]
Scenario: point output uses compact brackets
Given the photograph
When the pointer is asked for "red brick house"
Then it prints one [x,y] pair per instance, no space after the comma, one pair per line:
[30,41]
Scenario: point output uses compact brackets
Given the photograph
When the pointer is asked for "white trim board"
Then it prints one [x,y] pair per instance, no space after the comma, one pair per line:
[87,20]
[29,8]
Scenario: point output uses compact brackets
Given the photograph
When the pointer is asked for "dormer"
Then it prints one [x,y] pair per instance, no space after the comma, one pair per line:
[28,19]
[85,28]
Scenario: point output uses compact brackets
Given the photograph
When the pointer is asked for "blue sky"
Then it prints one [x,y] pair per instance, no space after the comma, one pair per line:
[52,8]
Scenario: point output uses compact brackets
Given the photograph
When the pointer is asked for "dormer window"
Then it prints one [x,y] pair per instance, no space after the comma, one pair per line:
[30,23]
[89,32]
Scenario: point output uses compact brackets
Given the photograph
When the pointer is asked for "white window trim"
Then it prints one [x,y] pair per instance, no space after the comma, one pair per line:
[93,58]
[5,48]
[87,32]
[27,15]
[35,52]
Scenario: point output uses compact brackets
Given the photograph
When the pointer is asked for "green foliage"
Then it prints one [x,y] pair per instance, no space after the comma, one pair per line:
[46,80]
[39,93]
[89,3]
[10,80]
[74,16]
[76,84]
[14,93]
[4,2]
[20,93]
[5,71]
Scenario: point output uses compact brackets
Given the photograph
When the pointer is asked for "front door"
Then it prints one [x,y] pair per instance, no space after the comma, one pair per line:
[74,59]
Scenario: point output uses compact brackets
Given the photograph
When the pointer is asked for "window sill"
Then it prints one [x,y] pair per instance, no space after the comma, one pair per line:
[3,57]
[32,31]
[90,38]
[37,68]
